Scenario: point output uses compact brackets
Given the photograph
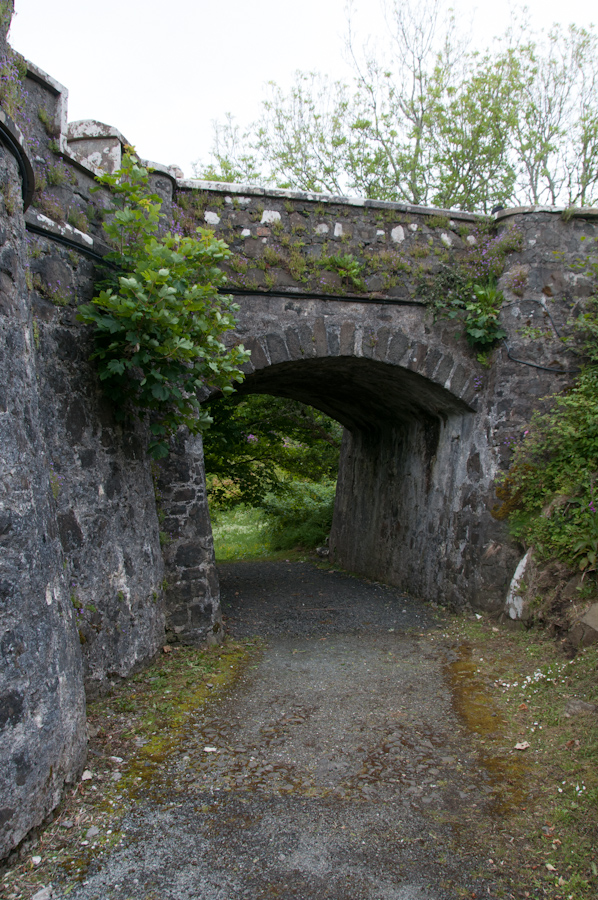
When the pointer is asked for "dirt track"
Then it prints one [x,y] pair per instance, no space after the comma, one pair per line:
[336,767]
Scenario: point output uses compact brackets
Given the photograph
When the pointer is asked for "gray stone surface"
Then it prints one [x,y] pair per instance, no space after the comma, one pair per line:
[591,617]
[192,592]
[585,632]
[105,509]
[42,704]
[81,570]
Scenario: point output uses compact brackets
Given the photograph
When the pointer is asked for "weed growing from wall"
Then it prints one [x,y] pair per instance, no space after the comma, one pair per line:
[157,327]
[348,267]
[550,493]
[467,289]
[13,71]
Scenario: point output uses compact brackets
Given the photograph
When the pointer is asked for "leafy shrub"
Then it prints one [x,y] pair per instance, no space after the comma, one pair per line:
[302,516]
[467,289]
[258,443]
[159,319]
[550,491]
[482,328]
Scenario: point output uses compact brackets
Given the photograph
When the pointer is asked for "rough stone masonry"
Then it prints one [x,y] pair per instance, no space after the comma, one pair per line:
[102,557]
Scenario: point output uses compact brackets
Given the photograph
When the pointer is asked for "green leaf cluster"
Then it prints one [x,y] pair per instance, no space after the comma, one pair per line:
[159,319]
[258,445]
[467,289]
[482,328]
[550,492]
[349,269]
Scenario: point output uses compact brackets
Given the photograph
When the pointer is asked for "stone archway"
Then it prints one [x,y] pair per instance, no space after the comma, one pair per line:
[417,462]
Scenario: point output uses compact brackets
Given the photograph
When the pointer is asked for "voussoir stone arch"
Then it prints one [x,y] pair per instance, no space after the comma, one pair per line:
[397,336]
[416,464]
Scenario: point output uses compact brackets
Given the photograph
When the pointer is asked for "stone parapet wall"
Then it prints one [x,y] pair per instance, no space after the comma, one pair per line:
[287,241]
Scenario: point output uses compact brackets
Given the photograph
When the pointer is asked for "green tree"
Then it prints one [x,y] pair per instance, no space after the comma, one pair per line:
[429,121]
[159,318]
[258,445]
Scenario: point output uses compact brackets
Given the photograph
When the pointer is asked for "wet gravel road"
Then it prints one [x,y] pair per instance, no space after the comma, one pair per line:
[335,768]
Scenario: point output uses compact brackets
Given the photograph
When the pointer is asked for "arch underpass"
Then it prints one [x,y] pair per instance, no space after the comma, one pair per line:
[416,470]
[428,425]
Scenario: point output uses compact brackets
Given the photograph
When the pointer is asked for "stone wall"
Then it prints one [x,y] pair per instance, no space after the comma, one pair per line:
[82,578]
[124,588]
[42,703]
[193,593]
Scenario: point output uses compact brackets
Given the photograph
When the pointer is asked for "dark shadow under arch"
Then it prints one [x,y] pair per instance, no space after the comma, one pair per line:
[361,394]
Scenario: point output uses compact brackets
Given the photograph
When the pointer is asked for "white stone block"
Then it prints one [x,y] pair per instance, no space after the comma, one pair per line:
[398,234]
[269,216]
[211,218]
[514,601]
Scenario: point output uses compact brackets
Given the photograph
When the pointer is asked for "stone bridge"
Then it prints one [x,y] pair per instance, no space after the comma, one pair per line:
[416,470]
[428,424]
[103,556]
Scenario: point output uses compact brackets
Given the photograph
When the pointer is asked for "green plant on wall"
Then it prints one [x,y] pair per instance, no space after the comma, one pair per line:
[467,289]
[348,268]
[550,492]
[13,70]
[159,318]
[480,316]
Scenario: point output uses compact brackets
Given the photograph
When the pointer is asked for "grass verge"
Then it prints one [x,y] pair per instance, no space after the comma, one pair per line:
[131,732]
[544,842]
[240,533]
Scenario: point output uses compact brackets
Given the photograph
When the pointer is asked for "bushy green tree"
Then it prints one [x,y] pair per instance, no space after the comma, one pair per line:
[429,121]
[159,318]
[258,445]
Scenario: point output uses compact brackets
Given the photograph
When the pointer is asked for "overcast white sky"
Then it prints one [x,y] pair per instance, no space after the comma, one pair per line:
[161,73]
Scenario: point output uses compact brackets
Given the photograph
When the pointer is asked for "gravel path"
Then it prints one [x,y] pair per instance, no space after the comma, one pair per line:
[335,768]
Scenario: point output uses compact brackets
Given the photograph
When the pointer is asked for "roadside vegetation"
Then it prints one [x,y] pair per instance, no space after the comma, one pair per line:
[515,688]
[549,495]
[271,468]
